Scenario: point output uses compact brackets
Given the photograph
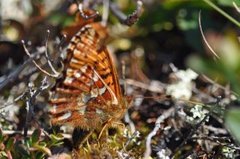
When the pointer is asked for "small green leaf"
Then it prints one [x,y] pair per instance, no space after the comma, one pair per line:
[36,136]
[43,149]
[1,136]
[227,3]
[3,154]
[11,141]
[21,149]
[56,140]
[233,122]
[39,155]
[56,137]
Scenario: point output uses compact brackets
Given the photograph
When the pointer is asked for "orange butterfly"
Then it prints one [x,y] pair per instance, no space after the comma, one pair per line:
[88,95]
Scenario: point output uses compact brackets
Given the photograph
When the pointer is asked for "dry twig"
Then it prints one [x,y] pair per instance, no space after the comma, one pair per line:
[158,122]
[130,19]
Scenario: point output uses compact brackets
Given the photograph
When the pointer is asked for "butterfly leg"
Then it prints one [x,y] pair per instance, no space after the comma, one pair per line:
[104,128]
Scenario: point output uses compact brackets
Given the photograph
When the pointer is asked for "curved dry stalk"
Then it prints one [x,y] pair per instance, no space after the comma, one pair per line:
[55,75]
[204,38]
[47,54]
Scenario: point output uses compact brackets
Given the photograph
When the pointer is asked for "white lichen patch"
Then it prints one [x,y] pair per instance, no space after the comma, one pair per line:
[182,88]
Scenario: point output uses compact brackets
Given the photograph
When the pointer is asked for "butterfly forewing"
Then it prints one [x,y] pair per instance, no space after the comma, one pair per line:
[88,94]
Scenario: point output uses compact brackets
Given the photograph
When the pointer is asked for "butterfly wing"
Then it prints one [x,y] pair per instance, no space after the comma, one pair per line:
[89,90]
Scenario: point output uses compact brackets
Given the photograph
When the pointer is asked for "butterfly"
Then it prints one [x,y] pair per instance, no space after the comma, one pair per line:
[88,95]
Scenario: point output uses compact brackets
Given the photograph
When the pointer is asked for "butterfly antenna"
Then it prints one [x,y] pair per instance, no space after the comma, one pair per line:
[55,73]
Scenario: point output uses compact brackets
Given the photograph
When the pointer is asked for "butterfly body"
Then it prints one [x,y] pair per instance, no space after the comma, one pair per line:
[88,95]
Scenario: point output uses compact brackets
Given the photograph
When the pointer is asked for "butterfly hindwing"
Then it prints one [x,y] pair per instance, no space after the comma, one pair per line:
[89,90]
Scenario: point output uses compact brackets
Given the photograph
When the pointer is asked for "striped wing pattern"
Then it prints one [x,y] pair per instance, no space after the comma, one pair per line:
[88,95]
